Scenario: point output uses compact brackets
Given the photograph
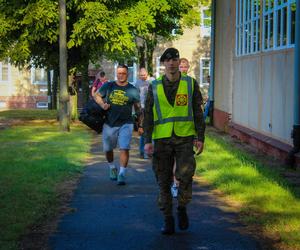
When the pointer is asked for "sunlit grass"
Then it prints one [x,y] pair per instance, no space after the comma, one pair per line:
[265,198]
[35,159]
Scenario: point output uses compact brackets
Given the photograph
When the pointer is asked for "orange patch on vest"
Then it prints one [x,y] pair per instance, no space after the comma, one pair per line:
[181,99]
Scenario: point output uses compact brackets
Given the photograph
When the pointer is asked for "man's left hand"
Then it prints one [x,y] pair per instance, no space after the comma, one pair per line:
[140,131]
[199,145]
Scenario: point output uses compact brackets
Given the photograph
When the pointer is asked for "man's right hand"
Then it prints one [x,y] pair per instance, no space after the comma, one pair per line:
[140,131]
[148,148]
[98,99]
[105,106]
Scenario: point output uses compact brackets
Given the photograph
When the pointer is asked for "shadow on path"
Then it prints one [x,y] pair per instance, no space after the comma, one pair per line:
[106,216]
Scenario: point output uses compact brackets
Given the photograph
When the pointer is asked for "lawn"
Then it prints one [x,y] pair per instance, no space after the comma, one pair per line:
[36,158]
[266,199]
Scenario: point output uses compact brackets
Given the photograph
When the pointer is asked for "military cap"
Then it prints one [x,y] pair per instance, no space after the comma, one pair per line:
[169,53]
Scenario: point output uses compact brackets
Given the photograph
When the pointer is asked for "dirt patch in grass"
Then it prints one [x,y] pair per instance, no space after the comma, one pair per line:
[38,234]
[6,123]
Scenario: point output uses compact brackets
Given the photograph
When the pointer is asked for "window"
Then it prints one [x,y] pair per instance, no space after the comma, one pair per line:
[131,71]
[4,72]
[2,104]
[205,22]
[42,105]
[279,17]
[277,28]
[247,27]
[204,71]
[38,76]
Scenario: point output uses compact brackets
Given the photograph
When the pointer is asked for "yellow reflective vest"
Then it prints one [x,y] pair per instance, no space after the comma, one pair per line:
[178,117]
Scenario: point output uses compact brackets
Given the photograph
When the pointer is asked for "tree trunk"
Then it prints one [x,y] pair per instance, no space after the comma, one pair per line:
[151,43]
[85,83]
[73,98]
[141,54]
[49,90]
[64,99]
[54,89]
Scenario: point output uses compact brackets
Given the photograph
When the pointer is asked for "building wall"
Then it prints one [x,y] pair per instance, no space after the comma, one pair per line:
[19,92]
[253,93]
[263,93]
[191,45]
[224,50]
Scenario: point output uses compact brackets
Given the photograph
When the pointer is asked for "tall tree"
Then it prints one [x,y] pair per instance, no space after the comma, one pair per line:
[29,30]
[64,98]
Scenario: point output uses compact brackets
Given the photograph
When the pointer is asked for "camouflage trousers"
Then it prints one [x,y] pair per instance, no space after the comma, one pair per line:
[166,151]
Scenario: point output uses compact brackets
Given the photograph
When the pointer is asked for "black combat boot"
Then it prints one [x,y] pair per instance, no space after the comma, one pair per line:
[183,219]
[169,226]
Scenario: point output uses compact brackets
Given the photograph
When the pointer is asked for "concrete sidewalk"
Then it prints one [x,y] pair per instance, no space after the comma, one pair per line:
[108,217]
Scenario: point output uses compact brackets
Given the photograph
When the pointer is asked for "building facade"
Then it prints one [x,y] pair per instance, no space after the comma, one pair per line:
[254,72]
[21,88]
[193,45]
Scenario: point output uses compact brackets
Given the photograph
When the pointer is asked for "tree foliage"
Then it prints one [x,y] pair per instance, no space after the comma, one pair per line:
[178,16]
[29,29]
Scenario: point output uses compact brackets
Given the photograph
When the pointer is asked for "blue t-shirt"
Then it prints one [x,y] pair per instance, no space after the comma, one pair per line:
[121,100]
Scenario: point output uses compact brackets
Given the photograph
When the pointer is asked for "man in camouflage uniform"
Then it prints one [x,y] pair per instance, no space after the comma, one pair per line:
[174,121]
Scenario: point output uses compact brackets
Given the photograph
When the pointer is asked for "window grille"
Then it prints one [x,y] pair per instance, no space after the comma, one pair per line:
[38,76]
[4,72]
[277,30]
[204,71]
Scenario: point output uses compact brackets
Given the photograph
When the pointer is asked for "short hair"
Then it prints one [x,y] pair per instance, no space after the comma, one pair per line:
[102,73]
[183,60]
[122,66]
[143,68]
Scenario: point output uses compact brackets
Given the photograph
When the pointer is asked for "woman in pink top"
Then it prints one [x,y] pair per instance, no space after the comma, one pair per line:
[99,81]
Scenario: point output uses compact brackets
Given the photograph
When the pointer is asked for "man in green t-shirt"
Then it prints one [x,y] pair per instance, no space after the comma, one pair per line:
[120,96]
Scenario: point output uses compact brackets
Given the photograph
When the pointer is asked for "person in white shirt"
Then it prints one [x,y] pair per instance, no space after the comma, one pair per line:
[142,85]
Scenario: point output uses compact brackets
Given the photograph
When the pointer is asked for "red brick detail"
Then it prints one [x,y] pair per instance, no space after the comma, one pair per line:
[221,119]
[19,102]
[262,143]
[297,160]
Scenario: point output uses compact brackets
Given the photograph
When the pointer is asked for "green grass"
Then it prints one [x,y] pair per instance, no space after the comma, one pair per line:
[266,199]
[28,114]
[35,159]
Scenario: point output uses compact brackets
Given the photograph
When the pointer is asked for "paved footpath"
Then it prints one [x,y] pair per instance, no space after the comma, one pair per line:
[107,217]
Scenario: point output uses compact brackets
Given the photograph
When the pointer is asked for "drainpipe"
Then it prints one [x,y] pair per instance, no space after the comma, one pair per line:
[212,61]
[296,128]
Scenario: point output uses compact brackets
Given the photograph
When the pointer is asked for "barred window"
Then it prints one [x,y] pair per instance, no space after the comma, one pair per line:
[277,28]
[4,72]
[38,76]
[204,71]
[205,26]
[279,17]
[247,26]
